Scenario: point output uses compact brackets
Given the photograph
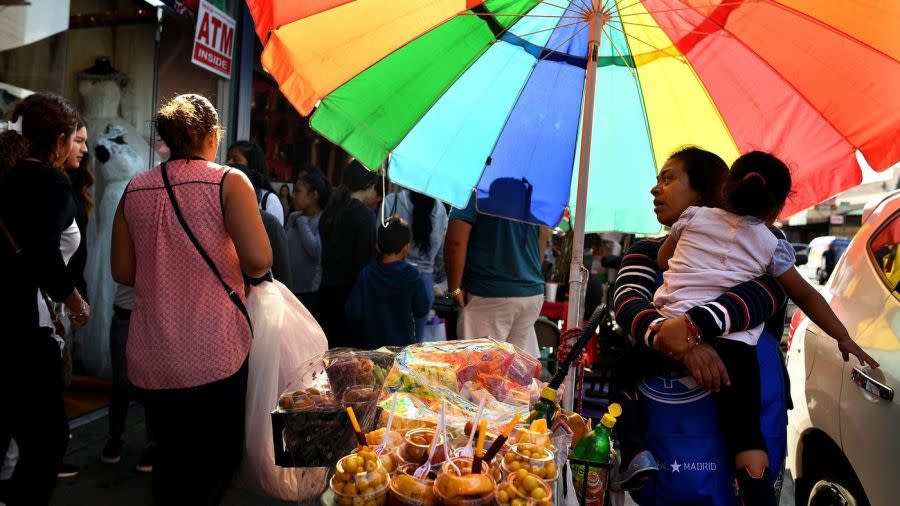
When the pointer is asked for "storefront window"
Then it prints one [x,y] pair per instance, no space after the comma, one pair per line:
[285,136]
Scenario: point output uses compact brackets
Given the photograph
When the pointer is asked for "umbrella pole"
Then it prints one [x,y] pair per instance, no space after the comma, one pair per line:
[577,277]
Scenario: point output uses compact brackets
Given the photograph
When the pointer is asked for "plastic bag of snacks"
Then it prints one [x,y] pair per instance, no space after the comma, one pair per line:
[461,373]
[311,415]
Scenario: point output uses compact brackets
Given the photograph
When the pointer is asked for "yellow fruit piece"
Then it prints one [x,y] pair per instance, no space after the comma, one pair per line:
[530,483]
[538,493]
[502,496]
[539,426]
[550,469]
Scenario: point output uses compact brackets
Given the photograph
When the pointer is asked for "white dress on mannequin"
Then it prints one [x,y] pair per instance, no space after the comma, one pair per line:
[119,153]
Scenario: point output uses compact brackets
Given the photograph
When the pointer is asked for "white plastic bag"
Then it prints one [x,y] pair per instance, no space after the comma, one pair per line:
[285,337]
[435,330]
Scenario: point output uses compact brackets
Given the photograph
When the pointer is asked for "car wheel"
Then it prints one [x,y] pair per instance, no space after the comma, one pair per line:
[831,493]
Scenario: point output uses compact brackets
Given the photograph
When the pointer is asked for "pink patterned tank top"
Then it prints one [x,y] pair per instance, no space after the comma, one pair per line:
[184,329]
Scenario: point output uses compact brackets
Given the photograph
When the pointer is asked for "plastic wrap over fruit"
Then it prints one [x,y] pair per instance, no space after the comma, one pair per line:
[311,413]
[462,373]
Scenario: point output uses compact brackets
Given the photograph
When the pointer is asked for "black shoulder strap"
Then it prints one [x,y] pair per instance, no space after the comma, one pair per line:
[209,261]
[265,199]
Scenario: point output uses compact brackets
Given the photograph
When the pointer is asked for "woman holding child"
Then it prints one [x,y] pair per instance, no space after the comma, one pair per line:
[681,423]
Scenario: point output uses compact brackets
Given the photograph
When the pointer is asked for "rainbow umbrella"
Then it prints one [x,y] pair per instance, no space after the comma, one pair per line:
[540,106]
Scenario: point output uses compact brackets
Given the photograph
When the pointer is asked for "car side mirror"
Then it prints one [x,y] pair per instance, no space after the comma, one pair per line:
[801,259]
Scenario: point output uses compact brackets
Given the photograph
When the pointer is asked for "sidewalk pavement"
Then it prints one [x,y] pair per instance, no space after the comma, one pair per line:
[100,484]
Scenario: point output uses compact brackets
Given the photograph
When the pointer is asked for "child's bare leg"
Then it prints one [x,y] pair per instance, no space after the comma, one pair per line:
[754,462]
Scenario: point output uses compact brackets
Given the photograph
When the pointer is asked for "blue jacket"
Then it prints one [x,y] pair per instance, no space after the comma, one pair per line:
[383,303]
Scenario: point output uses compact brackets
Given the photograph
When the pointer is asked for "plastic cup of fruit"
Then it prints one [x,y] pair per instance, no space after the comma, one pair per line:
[407,490]
[416,444]
[533,459]
[359,479]
[523,434]
[462,499]
[465,466]
[376,437]
[390,461]
[524,489]
[459,444]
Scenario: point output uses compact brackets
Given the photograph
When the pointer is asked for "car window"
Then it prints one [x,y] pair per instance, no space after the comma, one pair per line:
[885,249]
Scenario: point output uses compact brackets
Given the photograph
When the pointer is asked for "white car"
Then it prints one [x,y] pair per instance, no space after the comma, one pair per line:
[844,430]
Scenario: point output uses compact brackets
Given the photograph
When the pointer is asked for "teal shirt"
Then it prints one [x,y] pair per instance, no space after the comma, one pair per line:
[503,258]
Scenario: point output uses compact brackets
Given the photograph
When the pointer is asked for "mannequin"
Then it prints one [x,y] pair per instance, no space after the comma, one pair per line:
[120,153]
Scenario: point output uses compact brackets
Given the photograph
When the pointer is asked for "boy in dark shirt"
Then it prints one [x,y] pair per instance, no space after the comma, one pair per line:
[389,293]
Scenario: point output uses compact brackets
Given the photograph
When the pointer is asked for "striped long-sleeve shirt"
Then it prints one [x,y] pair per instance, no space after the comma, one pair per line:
[744,306]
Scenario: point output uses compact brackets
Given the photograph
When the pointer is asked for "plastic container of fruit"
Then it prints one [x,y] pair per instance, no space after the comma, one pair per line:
[466,490]
[359,479]
[416,444]
[524,489]
[533,459]
[407,490]
[465,466]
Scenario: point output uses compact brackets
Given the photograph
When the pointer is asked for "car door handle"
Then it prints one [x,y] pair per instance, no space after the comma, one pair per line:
[871,385]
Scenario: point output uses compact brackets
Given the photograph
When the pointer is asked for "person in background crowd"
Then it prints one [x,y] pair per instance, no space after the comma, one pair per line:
[347,229]
[428,220]
[389,294]
[72,247]
[36,206]
[248,154]
[311,194]
[122,389]
[78,168]
[494,275]
[284,196]
[184,233]
[281,262]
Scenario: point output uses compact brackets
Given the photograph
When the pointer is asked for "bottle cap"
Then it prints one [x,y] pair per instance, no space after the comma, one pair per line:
[615,410]
[608,421]
[549,394]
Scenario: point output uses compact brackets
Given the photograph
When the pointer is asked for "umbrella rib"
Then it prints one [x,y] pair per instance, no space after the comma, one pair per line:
[620,9]
[516,14]
[622,56]
[523,35]
[561,44]
[693,8]
[569,9]
[677,56]
[783,79]
[685,32]
[583,4]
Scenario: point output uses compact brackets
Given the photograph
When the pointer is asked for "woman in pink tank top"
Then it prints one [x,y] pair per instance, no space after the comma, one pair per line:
[185,235]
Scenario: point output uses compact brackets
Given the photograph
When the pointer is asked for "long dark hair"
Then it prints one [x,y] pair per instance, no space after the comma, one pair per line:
[758,185]
[354,177]
[423,205]
[44,117]
[318,184]
[82,178]
[256,169]
[706,173]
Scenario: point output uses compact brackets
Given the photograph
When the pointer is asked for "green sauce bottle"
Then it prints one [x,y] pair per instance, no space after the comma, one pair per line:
[594,448]
[545,407]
